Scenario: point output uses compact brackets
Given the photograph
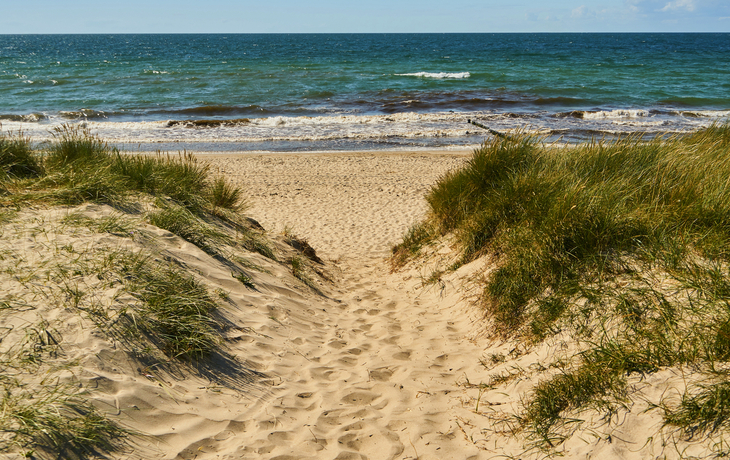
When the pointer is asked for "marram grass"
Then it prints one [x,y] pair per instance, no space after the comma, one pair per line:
[170,312]
[78,166]
[622,244]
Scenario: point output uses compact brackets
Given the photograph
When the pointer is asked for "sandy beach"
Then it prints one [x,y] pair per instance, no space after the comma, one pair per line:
[349,206]
[376,365]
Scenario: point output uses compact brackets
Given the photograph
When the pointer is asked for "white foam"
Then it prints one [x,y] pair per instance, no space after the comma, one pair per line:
[405,125]
[707,113]
[619,113]
[440,75]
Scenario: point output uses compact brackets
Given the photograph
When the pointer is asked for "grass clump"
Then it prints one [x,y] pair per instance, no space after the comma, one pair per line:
[623,245]
[75,146]
[41,417]
[705,412]
[555,217]
[179,178]
[226,196]
[17,159]
[114,224]
[255,242]
[78,167]
[244,279]
[183,223]
[417,236]
[569,391]
[176,311]
[54,422]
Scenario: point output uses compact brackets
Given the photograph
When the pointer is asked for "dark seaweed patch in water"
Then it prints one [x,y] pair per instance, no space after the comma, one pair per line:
[207,123]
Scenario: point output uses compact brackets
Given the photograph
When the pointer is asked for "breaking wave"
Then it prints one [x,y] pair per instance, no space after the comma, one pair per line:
[439,75]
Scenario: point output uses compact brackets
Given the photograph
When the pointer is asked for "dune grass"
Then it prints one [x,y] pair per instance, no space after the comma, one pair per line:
[78,167]
[53,421]
[17,159]
[183,223]
[169,310]
[45,418]
[176,310]
[623,244]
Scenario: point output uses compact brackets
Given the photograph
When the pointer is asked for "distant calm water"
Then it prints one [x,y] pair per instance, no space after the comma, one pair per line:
[360,91]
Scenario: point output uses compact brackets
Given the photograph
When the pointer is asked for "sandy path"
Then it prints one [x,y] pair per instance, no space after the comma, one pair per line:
[378,375]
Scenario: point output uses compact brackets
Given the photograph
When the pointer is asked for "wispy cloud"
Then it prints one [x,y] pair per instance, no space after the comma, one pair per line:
[688,5]
[578,12]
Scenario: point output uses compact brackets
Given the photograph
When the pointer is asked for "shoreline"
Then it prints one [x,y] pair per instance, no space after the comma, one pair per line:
[446,151]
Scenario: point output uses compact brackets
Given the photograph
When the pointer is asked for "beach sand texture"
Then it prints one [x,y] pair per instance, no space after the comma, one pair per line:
[376,366]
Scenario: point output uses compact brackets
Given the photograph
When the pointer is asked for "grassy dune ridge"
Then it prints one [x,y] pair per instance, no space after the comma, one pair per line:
[621,246]
[161,314]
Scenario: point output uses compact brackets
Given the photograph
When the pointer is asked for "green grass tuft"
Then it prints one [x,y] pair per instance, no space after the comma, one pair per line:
[180,178]
[188,226]
[623,245]
[55,422]
[75,146]
[17,159]
[244,279]
[417,236]
[707,411]
[224,195]
[176,311]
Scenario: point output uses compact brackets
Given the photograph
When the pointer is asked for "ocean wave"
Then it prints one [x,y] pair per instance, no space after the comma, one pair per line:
[703,113]
[604,114]
[438,128]
[83,114]
[206,123]
[439,75]
[28,118]
[214,110]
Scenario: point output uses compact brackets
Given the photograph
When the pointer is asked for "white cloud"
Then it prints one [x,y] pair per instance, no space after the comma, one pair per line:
[689,5]
[578,12]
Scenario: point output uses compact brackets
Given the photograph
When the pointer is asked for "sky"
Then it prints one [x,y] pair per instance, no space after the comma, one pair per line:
[373,16]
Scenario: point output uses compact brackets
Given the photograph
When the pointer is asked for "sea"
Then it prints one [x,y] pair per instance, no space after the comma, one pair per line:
[330,92]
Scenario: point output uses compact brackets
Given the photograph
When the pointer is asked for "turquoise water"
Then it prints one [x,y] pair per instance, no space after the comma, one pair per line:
[330,91]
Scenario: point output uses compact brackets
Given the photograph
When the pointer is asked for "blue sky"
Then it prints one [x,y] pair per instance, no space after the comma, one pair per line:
[293,16]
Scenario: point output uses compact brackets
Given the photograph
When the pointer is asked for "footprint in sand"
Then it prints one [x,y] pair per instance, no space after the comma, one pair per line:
[350,456]
[371,440]
[381,375]
[337,344]
[360,398]
[402,356]
[279,437]
[327,373]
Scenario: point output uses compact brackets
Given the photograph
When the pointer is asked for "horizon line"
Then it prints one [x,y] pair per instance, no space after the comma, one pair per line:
[365,33]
